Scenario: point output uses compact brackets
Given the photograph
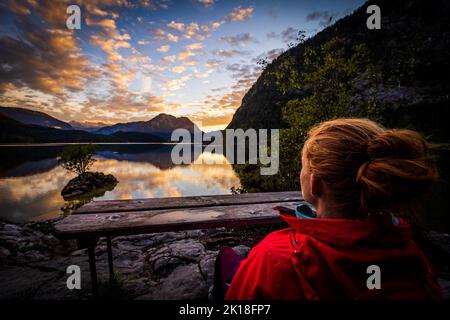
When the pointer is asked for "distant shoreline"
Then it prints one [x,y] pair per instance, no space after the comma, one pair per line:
[50,144]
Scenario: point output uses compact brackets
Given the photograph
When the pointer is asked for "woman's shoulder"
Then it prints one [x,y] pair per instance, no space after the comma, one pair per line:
[276,244]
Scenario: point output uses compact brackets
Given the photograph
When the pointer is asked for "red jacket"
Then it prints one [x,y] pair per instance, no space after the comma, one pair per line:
[328,259]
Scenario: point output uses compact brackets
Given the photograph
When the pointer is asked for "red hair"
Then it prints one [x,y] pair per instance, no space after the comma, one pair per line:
[368,168]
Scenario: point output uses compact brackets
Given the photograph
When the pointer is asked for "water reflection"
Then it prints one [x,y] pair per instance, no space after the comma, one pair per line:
[31,179]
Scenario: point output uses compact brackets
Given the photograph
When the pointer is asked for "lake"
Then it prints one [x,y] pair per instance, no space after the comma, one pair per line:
[31,178]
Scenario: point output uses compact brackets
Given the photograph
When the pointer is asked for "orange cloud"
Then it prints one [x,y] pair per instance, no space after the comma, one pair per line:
[164,48]
[240,14]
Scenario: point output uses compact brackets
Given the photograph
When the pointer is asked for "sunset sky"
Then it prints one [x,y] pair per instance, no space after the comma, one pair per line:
[134,59]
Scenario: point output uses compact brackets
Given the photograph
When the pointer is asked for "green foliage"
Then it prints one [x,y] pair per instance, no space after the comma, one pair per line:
[113,290]
[78,158]
[336,81]
[252,180]
[336,84]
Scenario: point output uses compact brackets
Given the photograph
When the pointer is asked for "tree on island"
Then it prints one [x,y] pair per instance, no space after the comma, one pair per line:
[78,158]
[87,185]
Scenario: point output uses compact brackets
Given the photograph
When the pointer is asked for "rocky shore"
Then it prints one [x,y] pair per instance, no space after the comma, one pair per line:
[171,265]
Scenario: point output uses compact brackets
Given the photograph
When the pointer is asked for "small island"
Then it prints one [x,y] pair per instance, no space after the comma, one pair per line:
[78,159]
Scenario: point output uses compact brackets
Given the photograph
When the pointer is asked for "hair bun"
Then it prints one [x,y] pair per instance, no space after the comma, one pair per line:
[397,143]
[399,167]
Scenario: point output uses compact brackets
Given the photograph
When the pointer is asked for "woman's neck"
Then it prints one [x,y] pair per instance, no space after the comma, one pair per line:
[326,211]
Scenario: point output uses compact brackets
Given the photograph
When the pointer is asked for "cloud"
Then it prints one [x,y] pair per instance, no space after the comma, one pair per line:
[240,14]
[17,7]
[110,42]
[229,53]
[176,84]
[142,59]
[183,55]
[46,67]
[162,35]
[212,63]
[164,48]
[324,17]
[104,23]
[120,106]
[194,46]
[192,30]
[176,25]
[206,74]
[239,39]
[153,67]
[222,105]
[169,59]
[287,35]
[190,62]
[272,35]
[172,37]
[269,55]
[211,119]
[206,3]
[44,59]
[178,69]
[190,51]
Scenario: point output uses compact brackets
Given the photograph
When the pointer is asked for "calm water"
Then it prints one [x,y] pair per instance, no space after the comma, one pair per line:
[31,179]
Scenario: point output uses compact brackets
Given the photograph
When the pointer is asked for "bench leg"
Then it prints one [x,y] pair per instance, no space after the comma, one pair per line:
[93,269]
[110,260]
[90,244]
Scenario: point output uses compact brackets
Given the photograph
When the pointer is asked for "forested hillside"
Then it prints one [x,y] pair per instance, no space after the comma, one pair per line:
[399,76]
[409,59]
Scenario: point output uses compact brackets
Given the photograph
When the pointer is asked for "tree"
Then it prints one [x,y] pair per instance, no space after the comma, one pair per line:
[338,81]
[333,81]
[78,158]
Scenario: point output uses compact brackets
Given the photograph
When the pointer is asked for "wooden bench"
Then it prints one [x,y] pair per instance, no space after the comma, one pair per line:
[129,217]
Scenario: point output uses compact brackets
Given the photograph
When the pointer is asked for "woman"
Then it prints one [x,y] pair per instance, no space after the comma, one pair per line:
[359,177]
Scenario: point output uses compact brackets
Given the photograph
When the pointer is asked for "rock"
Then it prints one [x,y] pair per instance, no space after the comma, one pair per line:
[168,265]
[128,262]
[138,287]
[206,266]
[190,250]
[4,253]
[88,183]
[185,282]
[22,282]
[34,255]
[165,259]
[57,288]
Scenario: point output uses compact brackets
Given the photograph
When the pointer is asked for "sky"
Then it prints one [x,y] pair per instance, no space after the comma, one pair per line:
[132,60]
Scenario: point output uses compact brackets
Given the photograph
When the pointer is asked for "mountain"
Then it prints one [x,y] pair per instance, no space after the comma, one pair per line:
[87,126]
[412,45]
[162,125]
[27,116]
[12,131]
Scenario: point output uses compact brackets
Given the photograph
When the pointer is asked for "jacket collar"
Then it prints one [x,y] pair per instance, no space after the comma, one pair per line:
[347,232]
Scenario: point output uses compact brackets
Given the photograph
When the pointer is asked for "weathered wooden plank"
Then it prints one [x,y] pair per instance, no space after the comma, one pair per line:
[138,222]
[187,202]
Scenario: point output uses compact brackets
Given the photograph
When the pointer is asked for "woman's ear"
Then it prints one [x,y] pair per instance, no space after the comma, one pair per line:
[316,186]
